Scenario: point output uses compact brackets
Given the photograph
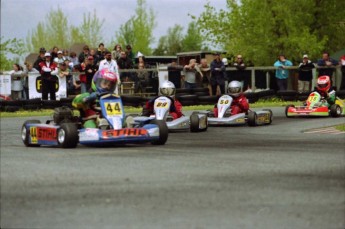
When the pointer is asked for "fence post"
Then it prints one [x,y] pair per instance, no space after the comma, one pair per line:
[253,79]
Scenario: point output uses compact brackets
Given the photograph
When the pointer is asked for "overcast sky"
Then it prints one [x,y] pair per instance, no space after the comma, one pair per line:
[18,17]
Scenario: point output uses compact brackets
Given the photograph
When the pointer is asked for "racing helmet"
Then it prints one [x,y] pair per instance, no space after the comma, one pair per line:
[104,81]
[234,88]
[323,83]
[167,89]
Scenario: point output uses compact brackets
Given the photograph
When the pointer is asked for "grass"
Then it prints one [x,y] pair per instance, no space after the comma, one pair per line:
[273,102]
[340,127]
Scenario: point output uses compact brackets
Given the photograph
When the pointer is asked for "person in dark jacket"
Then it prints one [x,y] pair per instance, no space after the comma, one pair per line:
[217,74]
[326,64]
[305,74]
[39,59]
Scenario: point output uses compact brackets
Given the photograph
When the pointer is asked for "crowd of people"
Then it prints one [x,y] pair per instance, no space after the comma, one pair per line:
[59,63]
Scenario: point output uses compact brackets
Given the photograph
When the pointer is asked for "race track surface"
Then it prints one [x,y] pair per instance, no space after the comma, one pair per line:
[273,176]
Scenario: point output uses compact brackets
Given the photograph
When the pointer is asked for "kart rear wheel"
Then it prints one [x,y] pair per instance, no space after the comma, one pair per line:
[67,135]
[335,110]
[252,118]
[163,132]
[287,109]
[26,133]
[194,122]
[271,114]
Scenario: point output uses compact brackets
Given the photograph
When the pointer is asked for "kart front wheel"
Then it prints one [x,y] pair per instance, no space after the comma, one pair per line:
[67,135]
[26,133]
[194,122]
[163,132]
[335,110]
[252,118]
[287,110]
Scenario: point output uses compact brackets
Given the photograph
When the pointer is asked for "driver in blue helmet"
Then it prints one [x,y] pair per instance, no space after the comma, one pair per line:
[104,81]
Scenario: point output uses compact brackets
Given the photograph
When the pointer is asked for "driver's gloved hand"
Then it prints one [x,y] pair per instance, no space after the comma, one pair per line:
[92,97]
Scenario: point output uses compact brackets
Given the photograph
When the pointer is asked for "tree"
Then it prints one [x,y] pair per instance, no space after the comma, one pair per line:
[288,27]
[90,31]
[171,43]
[13,47]
[138,30]
[193,40]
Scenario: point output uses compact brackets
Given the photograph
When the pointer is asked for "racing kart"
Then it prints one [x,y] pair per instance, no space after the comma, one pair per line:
[224,117]
[66,130]
[197,122]
[313,107]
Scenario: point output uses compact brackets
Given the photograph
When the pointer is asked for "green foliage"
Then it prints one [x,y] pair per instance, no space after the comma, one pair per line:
[171,43]
[15,47]
[260,30]
[90,31]
[193,39]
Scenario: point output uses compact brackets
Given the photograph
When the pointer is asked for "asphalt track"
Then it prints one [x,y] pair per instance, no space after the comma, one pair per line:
[273,176]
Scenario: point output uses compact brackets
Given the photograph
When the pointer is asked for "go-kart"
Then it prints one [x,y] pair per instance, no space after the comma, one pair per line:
[197,122]
[224,117]
[66,130]
[313,107]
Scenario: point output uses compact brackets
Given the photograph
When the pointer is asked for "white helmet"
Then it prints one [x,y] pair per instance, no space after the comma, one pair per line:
[167,88]
[234,88]
[225,61]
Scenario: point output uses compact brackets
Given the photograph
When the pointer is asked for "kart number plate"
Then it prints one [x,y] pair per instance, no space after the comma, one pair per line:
[33,134]
[161,105]
[113,108]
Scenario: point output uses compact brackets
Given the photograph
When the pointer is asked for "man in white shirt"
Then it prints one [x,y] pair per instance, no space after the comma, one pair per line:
[111,65]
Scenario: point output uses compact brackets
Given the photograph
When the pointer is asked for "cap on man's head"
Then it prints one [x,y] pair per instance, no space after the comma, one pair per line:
[43,50]
[100,44]
[305,56]
[47,54]
[59,52]
[128,47]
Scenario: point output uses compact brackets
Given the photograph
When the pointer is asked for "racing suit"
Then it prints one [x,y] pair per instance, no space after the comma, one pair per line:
[175,108]
[327,98]
[239,105]
[86,103]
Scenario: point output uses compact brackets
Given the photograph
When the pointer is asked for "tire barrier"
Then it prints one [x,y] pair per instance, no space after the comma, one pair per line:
[197,96]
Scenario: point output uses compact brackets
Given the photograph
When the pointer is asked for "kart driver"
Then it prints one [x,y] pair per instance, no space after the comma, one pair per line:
[326,91]
[166,89]
[239,103]
[103,81]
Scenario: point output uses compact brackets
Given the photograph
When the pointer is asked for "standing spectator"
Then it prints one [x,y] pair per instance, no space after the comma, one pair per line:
[342,63]
[101,51]
[48,73]
[116,53]
[63,70]
[240,75]
[84,54]
[110,64]
[305,74]
[94,55]
[82,75]
[74,59]
[217,74]
[39,59]
[125,63]
[130,53]
[143,79]
[16,82]
[174,73]
[90,70]
[28,70]
[190,73]
[326,64]
[65,55]
[282,74]
[60,58]
[54,52]
[206,72]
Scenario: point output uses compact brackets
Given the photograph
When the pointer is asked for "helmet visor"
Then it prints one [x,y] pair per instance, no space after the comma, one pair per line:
[234,90]
[167,91]
[106,85]
[324,85]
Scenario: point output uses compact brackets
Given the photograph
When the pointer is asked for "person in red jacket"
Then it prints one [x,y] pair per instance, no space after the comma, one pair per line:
[239,103]
[166,89]
[48,72]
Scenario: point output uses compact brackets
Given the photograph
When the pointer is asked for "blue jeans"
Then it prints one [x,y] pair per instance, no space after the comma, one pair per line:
[282,84]
[189,85]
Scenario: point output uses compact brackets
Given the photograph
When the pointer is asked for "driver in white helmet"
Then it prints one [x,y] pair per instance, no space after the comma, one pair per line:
[166,89]
[239,103]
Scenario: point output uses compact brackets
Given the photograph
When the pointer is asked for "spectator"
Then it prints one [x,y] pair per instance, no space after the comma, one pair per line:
[116,53]
[282,74]
[39,59]
[63,70]
[130,53]
[48,72]
[110,64]
[28,70]
[84,54]
[143,79]
[305,74]
[93,53]
[240,75]
[206,72]
[326,64]
[16,82]
[217,74]
[60,58]
[74,59]
[82,75]
[125,63]
[73,82]
[174,73]
[66,55]
[90,70]
[101,52]
[342,63]
[190,74]
[54,52]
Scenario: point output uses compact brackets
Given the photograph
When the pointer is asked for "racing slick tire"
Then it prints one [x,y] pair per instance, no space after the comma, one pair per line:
[67,135]
[26,133]
[271,115]
[194,123]
[252,118]
[286,110]
[163,132]
[335,110]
